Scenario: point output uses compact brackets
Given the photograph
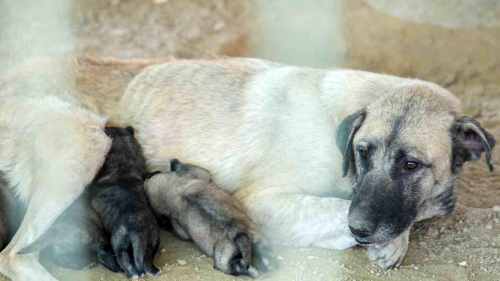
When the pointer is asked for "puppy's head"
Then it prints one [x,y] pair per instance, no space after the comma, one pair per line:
[125,151]
[406,151]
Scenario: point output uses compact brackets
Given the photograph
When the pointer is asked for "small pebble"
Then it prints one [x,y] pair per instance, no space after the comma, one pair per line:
[496,208]
[488,226]
[182,262]
[464,263]
[219,25]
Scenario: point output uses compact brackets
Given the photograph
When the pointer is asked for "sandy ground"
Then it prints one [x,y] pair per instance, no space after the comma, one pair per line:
[462,246]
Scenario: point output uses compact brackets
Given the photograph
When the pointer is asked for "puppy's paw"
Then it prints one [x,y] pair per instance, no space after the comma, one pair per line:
[392,253]
[151,270]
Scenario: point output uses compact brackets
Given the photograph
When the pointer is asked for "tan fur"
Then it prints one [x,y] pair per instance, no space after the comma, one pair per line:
[265,131]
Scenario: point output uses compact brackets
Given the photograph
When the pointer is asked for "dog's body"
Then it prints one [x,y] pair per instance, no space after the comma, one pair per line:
[77,239]
[200,210]
[230,116]
[117,195]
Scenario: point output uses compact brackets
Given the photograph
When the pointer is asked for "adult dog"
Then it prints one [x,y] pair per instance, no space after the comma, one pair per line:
[294,145]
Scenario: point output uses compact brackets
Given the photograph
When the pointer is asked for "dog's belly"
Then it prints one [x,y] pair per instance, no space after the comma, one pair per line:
[246,128]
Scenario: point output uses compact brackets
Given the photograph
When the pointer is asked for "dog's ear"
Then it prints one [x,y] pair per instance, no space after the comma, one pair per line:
[470,140]
[345,135]
[130,129]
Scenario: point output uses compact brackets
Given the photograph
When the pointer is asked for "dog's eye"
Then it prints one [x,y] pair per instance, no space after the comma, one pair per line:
[410,165]
[363,153]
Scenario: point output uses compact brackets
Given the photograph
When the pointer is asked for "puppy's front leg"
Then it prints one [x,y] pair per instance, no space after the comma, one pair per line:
[298,219]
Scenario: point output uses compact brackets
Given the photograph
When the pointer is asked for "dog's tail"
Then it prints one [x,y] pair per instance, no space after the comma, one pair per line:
[47,239]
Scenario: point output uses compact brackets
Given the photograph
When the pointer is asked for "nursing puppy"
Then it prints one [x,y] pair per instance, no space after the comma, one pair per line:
[77,239]
[117,195]
[200,210]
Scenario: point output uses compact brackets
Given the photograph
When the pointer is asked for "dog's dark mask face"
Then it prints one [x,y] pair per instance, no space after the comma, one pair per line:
[406,167]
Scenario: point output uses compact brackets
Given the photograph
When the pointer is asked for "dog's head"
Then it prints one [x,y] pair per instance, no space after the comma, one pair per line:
[406,151]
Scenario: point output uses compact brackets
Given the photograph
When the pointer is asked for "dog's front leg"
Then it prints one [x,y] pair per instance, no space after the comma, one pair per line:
[297,219]
[392,253]
[67,147]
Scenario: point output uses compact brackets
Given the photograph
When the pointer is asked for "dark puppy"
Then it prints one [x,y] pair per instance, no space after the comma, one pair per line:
[117,195]
[202,211]
[76,240]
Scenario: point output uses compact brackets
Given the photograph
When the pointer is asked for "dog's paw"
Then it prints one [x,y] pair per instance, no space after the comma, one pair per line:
[392,253]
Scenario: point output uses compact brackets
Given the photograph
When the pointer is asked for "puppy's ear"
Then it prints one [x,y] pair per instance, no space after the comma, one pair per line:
[150,175]
[175,165]
[345,136]
[470,140]
[199,173]
[130,129]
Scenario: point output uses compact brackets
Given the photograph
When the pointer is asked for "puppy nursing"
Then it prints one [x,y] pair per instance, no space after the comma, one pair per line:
[200,210]
[117,195]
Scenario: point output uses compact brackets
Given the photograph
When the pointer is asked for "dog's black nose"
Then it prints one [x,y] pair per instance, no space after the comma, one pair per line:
[361,233]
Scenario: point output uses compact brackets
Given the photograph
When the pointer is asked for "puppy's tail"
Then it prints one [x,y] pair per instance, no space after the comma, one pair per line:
[47,239]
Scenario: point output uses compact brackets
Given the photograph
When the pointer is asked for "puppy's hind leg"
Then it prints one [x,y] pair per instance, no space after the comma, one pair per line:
[179,230]
[107,257]
[54,156]
[153,246]
[121,244]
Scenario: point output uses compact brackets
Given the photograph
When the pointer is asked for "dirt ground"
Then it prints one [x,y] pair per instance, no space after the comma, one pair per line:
[462,246]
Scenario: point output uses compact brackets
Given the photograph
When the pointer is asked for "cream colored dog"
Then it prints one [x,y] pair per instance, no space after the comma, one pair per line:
[279,138]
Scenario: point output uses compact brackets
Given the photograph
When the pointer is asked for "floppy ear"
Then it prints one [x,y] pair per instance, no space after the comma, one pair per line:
[471,140]
[345,135]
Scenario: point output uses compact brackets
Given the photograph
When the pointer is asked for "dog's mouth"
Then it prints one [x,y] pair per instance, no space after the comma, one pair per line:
[363,241]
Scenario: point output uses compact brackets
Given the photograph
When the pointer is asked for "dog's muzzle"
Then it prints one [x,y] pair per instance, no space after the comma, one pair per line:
[362,236]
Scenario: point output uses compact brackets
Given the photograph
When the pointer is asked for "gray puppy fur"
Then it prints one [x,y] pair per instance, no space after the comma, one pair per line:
[200,210]
[76,239]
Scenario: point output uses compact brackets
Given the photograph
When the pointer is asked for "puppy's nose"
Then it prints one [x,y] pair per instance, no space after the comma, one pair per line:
[360,232]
